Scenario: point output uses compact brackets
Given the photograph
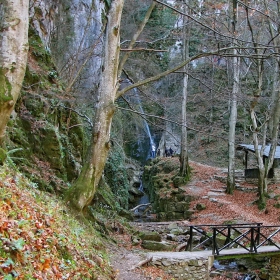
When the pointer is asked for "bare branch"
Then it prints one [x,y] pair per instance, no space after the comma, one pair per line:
[78,113]
[142,49]
[135,37]
[195,57]
[138,206]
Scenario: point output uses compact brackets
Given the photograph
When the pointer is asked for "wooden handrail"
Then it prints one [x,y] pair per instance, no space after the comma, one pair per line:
[252,233]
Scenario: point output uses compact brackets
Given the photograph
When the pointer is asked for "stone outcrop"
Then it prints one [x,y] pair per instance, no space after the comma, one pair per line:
[157,246]
[169,200]
[183,265]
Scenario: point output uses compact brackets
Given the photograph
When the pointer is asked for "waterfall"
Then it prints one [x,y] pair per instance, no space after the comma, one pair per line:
[136,100]
[146,126]
[141,188]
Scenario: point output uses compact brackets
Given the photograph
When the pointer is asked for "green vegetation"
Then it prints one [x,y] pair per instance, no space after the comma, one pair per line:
[41,238]
[5,87]
[3,156]
[116,176]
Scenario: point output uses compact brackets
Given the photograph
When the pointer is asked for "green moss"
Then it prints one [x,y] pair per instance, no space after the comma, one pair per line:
[116,176]
[31,78]
[3,156]
[178,181]
[277,205]
[5,87]
[38,49]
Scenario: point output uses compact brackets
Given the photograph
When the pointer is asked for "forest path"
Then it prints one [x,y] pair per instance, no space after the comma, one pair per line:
[220,208]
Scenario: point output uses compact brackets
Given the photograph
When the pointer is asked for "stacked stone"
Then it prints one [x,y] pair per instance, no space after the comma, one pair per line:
[274,268]
[195,269]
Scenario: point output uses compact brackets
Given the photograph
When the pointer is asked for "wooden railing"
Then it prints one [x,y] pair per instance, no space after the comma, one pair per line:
[248,236]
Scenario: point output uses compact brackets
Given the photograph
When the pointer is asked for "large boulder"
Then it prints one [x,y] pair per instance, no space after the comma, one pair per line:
[157,246]
[151,236]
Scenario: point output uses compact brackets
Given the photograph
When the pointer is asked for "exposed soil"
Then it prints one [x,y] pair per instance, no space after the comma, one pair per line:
[207,187]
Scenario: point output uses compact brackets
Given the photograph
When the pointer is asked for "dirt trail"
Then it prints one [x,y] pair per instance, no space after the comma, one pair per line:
[220,208]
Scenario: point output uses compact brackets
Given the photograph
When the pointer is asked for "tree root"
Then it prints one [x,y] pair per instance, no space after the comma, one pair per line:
[141,263]
[181,246]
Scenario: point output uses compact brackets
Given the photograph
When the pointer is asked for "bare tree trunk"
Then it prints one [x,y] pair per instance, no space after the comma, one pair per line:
[273,116]
[184,163]
[233,109]
[232,125]
[83,190]
[262,179]
[13,56]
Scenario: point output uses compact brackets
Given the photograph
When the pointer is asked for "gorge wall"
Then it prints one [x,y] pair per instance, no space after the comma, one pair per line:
[170,201]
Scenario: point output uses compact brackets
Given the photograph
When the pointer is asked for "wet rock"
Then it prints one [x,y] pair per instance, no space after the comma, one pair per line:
[152,236]
[157,246]
[172,226]
[215,273]
[134,191]
[135,241]
[171,237]
[176,231]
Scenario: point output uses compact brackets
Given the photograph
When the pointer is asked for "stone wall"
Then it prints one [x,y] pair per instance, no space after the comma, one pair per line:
[277,174]
[196,268]
[274,268]
[169,200]
[189,269]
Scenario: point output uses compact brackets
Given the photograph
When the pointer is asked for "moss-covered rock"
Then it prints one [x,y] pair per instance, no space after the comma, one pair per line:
[3,156]
[200,206]
[178,181]
[170,201]
[151,236]
[157,246]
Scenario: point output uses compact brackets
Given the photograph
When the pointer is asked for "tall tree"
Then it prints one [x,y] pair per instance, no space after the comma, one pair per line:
[233,104]
[13,56]
[184,163]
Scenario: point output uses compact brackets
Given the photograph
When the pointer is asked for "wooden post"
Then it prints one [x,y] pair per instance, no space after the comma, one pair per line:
[258,234]
[189,245]
[228,234]
[215,246]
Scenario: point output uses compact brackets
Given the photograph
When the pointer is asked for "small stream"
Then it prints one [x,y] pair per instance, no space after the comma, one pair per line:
[234,267]
[143,213]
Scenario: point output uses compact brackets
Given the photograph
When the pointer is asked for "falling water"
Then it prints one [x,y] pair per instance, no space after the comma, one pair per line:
[146,126]
[135,98]
[141,188]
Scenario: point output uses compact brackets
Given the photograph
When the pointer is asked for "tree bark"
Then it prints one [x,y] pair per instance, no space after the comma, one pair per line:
[13,56]
[184,161]
[233,107]
[232,125]
[83,190]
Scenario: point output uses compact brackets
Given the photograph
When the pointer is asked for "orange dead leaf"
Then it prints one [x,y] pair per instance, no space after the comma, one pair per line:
[46,264]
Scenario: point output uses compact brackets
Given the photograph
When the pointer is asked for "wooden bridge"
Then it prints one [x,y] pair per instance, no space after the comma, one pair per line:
[209,242]
[249,238]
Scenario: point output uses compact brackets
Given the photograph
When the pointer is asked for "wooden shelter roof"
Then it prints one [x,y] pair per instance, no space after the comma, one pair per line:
[251,148]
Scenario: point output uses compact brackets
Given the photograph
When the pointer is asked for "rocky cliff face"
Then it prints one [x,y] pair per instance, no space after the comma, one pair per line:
[47,136]
[71,30]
